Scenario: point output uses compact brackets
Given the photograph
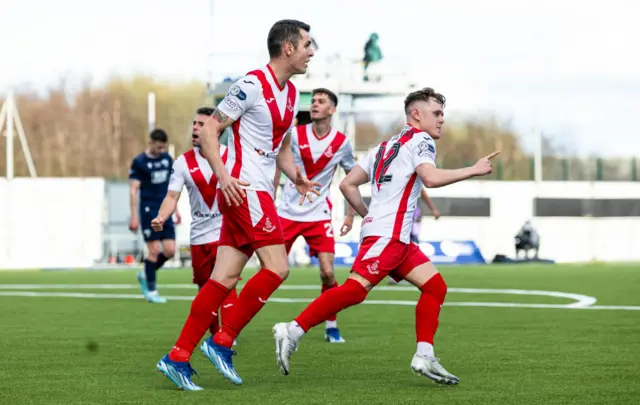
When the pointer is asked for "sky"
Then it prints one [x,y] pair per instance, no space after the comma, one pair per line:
[568,68]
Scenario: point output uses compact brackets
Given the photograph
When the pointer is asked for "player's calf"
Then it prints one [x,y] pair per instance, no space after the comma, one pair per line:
[328,277]
[288,335]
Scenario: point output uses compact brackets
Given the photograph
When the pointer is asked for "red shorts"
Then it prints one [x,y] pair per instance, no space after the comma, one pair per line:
[318,235]
[252,225]
[379,257]
[203,258]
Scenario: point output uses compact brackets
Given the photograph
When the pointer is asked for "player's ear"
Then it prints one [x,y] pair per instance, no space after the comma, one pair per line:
[288,48]
[415,114]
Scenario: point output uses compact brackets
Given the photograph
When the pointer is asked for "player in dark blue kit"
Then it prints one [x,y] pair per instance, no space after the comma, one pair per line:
[149,174]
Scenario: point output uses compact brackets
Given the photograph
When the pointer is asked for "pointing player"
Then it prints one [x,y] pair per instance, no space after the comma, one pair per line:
[149,174]
[192,171]
[319,149]
[397,170]
[259,108]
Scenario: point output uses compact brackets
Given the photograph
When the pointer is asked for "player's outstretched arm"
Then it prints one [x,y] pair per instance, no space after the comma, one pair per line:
[349,187]
[168,207]
[433,177]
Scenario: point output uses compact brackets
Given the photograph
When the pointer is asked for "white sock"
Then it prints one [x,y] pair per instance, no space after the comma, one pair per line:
[295,331]
[425,350]
[331,324]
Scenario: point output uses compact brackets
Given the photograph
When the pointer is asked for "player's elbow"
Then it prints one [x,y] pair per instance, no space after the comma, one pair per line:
[344,186]
[429,182]
[429,176]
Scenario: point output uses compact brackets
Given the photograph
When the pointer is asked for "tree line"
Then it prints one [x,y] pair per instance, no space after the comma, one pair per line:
[96,131]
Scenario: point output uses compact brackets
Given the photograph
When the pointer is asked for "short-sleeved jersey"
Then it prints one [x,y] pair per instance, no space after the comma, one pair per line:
[263,113]
[395,185]
[153,175]
[318,160]
[194,172]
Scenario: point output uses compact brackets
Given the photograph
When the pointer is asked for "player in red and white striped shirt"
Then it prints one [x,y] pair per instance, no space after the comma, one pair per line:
[191,170]
[318,149]
[259,108]
[397,170]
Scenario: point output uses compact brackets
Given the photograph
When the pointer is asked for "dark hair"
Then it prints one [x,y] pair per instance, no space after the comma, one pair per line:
[332,96]
[284,31]
[159,135]
[425,94]
[204,111]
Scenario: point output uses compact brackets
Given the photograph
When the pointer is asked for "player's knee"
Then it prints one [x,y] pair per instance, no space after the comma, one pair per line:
[281,271]
[356,290]
[436,287]
[169,252]
[327,275]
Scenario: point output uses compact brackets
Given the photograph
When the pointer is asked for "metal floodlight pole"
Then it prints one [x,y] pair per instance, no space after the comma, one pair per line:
[151,112]
[9,134]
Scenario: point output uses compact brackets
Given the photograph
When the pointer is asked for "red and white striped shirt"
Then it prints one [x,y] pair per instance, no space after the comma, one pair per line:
[264,113]
[395,185]
[318,160]
[193,171]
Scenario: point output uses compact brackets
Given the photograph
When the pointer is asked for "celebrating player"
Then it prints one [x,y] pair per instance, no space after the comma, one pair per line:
[319,149]
[260,108]
[192,171]
[149,175]
[397,170]
[417,222]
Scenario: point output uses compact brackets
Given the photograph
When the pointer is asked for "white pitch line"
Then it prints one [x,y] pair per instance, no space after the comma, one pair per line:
[306,300]
[581,300]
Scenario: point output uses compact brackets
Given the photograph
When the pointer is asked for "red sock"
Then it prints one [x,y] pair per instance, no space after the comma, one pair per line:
[331,302]
[223,313]
[203,309]
[428,308]
[228,305]
[251,299]
[328,287]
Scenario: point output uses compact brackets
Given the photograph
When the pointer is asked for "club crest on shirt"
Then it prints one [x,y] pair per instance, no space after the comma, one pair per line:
[329,152]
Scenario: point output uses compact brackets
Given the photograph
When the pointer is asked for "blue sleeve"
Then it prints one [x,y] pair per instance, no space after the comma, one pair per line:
[134,172]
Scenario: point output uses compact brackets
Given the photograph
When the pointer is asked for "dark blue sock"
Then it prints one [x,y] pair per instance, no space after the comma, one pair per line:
[150,273]
[162,259]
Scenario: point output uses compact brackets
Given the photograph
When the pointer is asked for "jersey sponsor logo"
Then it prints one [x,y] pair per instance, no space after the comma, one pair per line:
[270,100]
[268,155]
[200,214]
[230,103]
[159,176]
[194,169]
[304,146]
[248,82]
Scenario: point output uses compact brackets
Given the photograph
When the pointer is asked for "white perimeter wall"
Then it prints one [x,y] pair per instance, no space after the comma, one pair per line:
[57,223]
[562,239]
[50,222]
